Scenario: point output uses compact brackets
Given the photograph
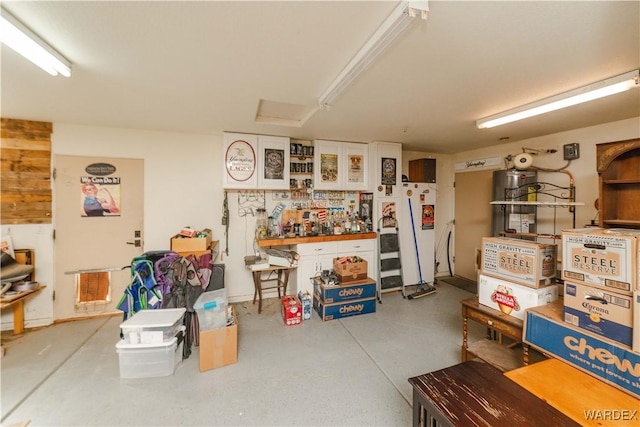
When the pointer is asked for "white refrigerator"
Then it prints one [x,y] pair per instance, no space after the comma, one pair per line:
[416,228]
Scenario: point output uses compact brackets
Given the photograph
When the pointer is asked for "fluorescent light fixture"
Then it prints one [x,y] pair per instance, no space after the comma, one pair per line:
[18,37]
[587,93]
[388,31]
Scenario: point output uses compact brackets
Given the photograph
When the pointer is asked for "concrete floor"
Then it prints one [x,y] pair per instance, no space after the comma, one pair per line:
[352,371]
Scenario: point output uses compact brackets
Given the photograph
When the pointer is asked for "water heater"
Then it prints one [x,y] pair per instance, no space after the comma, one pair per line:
[511,185]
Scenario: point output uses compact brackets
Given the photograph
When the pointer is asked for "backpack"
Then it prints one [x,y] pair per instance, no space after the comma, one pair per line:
[151,280]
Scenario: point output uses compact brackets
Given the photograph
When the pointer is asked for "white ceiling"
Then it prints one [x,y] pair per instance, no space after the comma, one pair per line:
[202,67]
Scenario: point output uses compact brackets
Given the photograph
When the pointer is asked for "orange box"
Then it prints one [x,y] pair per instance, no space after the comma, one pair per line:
[350,271]
[192,244]
[291,310]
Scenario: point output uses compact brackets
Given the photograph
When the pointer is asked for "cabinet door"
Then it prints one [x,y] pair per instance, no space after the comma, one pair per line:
[386,162]
[328,168]
[239,169]
[273,162]
[355,166]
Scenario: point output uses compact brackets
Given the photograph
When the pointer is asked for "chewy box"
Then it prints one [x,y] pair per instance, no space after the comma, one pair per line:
[219,347]
[343,309]
[191,244]
[152,326]
[148,360]
[513,299]
[526,263]
[601,258]
[350,271]
[606,359]
[605,313]
[361,289]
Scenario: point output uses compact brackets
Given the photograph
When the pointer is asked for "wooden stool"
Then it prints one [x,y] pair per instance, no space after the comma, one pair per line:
[277,274]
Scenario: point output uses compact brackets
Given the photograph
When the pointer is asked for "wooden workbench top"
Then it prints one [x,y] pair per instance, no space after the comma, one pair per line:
[315,239]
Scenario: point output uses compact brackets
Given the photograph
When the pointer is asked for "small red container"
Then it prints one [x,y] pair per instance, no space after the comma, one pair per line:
[291,310]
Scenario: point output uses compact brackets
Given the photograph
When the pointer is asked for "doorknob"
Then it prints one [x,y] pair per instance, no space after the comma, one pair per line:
[135,243]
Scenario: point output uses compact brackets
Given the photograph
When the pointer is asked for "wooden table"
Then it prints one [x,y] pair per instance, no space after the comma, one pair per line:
[498,325]
[475,393]
[281,280]
[582,397]
[17,302]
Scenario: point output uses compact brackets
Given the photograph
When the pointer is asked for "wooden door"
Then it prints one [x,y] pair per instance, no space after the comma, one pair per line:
[473,193]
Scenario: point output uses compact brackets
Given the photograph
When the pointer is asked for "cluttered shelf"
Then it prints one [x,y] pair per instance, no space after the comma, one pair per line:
[315,239]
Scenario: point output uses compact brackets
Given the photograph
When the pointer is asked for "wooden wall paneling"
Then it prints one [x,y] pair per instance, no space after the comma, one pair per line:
[25,171]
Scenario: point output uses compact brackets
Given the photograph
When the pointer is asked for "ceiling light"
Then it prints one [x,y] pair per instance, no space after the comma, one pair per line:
[390,29]
[18,37]
[590,92]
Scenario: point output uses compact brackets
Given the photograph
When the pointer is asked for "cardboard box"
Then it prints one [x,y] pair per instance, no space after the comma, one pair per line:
[636,321]
[602,258]
[192,244]
[513,299]
[603,312]
[612,362]
[307,303]
[291,310]
[360,289]
[219,347]
[350,271]
[343,309]
[521,261]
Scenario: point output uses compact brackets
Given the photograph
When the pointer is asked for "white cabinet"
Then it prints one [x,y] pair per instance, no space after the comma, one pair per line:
[365,249]
[314,257]
[340,165]
[240,161]
[255,161]
[356,166]
[273,162]
[385,168]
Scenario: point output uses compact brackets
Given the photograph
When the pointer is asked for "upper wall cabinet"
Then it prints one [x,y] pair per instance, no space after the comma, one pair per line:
[273,162]
[240,161]
[340,165]
[356,158]
[255,161]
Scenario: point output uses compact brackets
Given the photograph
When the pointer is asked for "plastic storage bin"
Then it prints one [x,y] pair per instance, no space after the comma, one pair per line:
[148,360]
[152,326]
[211,308]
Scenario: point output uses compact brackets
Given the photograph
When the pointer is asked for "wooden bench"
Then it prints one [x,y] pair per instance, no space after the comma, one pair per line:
[17,302]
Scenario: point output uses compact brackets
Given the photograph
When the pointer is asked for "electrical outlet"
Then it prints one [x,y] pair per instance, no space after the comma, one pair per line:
[571,151]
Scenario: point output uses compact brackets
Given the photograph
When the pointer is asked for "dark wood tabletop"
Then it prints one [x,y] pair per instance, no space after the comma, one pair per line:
[475,393]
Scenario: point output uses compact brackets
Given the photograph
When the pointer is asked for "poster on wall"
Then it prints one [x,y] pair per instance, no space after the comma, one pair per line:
[388,214]
[329,167]
[100,196]
[428,217]
[388,171]
[356,174]
[273,163]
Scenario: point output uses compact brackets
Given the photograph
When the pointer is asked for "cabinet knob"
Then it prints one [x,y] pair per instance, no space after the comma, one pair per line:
[490,322]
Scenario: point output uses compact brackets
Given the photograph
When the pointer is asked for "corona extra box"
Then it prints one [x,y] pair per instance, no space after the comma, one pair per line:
[610,361]
[603,312]
[349,270]
[601,258]
[521,261]
[361,289]
[510,298]
[343,309]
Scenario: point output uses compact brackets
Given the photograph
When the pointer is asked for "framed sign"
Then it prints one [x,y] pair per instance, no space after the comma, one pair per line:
[273,162]
[388,171]
[240,162]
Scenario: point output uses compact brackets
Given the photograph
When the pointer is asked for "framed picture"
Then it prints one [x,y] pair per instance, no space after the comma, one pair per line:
[240,161]
[274,155]
[388,171]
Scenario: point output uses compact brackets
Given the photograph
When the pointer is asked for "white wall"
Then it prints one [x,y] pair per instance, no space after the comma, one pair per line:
[183,186]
